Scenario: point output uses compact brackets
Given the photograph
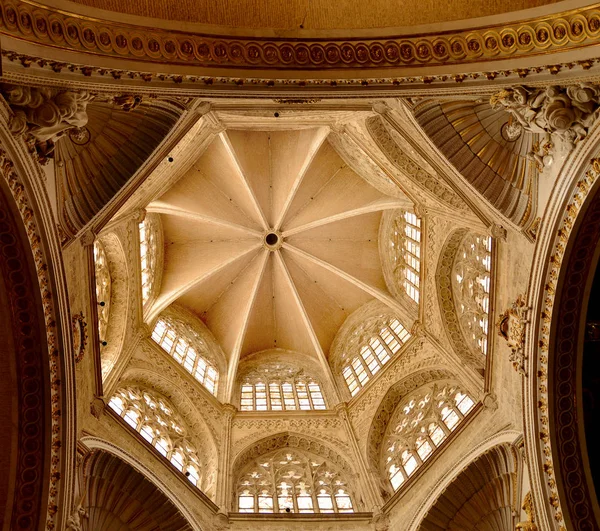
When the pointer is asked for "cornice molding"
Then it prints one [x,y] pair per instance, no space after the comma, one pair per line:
[573,29]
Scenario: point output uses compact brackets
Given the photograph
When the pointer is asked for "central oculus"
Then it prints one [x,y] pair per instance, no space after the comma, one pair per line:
[273,240]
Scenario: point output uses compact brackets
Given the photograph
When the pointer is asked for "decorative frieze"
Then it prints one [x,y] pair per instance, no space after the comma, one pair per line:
[44,25]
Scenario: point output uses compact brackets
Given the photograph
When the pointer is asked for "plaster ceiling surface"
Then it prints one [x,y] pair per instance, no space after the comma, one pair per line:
[314,14]
[271,239]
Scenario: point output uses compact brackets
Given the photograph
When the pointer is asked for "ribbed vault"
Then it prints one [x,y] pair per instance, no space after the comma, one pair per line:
[481,497]
[272,240]
[118,498]
[94,166]
[473,137]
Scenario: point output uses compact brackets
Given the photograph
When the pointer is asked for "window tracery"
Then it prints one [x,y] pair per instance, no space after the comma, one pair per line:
[374,353]
[103,289]
[156,421]
[148,255]
[419,426]
[289,480]
[186,349]
[278,387]
[405,242]
[471,279]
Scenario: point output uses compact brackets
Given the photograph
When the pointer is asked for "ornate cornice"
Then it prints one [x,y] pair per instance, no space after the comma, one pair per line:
[28,21]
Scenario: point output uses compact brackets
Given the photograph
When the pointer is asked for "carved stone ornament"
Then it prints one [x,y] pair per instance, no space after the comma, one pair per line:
[127,102]
[74,522]
[381,522]
[511,326]
[559,113]
[530,524]
[80,336]
[97,407]
[44,114]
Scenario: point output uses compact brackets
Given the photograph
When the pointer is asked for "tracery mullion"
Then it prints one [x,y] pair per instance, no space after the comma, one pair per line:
[395,336]
[385,346]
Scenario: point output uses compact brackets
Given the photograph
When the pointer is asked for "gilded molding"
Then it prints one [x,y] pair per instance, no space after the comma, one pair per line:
[548,314]
[22,200]
[44,25]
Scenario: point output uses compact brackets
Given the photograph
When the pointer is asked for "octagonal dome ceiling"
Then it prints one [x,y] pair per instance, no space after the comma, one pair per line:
[271,239]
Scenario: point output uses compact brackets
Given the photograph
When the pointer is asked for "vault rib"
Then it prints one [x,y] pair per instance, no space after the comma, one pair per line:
[320,137]
[163,303]
[377,293]
[256,205]
[161,208]
[307,323]
[383,204]
[239,342]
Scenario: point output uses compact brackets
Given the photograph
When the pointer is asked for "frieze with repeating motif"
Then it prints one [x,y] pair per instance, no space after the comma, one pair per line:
[44,25]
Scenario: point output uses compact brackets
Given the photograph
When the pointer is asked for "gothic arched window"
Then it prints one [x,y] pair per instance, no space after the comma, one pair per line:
[406,253]
[278,387]
[289,480]
[147,258]
[374,354]
[471,280]
[418,426]
[184,348]
[103,289]
[156,421]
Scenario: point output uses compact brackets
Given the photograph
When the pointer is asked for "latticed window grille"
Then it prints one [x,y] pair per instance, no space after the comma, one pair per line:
[269,395]
[378,350]
[419,426]
[289,480]
[406,246]
[175,343]
[147,258]
[472,271]
[155,420]
[103,289]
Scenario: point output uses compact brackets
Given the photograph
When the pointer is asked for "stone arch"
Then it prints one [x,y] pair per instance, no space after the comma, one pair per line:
[447,301]
[201,432]
[118,495]
[35,467]
[566,258]
[119,301]
[507,437]
[305,444]
[481,496]
[291,440]
[97,445]
[398,393]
